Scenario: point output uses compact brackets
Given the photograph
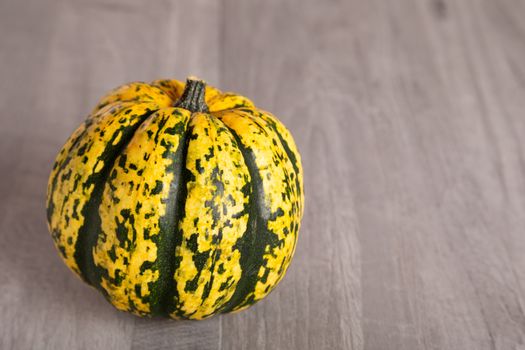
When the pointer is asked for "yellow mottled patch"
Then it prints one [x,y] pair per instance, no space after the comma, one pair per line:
[117,138]
[280,195]
[173,88]
[287,137]
[137,92]
[72,188]
[213,221]
[72,141]
[133,203]
[227,101]
[62,156]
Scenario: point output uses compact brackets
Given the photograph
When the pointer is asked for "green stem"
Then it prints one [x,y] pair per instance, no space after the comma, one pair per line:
[192,97]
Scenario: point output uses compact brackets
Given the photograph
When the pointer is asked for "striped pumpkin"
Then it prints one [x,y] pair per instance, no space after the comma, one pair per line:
[176,199]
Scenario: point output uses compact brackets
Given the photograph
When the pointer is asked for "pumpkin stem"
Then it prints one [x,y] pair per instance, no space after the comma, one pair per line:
[192,97]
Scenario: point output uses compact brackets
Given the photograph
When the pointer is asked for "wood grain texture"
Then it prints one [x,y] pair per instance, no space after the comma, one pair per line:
[410,119]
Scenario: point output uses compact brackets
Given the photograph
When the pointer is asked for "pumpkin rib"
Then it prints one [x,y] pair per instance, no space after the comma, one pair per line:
[215,218]
[79,170]
[252,242]
[138,92]
[278,231]
[136,213]
[279,129]
[89,231]
[298,183]
[270,120]
[64,157]
[293,174]
[71,143]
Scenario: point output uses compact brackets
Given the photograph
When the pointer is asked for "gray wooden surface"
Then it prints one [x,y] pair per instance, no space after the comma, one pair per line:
[410,116]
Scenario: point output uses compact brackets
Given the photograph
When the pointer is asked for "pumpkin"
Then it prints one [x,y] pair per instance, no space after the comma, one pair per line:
[176,199]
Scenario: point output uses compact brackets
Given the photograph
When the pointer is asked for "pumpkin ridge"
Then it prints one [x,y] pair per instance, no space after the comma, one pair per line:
[89,231]
[297,172]
[269,120]
[252,242]
[278,231]
[52,187]
[215,218]
[136,221]
[71,146]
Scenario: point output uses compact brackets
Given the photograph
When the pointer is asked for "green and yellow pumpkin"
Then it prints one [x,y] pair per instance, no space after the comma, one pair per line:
[176,199]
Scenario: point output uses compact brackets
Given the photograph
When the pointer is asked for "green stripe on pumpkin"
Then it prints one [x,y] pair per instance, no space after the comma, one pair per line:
[136,212]
[75,179]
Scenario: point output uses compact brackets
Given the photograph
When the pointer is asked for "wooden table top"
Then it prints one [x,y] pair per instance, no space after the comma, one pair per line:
[410,119]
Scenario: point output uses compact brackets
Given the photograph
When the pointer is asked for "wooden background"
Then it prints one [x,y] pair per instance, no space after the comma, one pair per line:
[410,116]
